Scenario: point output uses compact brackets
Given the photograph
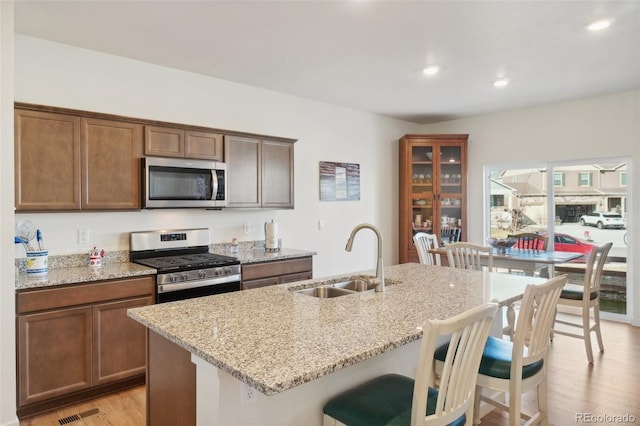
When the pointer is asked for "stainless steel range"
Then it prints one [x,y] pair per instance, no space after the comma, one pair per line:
[185,267]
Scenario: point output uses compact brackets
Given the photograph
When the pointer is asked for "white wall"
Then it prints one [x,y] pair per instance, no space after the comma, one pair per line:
[7,292]
[600,127]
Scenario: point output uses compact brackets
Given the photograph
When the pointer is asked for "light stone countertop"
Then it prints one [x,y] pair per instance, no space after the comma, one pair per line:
[81,274]
[274,339]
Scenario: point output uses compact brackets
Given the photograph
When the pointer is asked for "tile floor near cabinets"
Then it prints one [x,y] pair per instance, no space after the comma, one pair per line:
[578,393]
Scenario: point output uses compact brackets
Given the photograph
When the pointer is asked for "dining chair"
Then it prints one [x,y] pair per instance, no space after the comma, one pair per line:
[468,256]
[399,400]
[425,242]
[519,366]
[530,241]
[587,298]
[450,235]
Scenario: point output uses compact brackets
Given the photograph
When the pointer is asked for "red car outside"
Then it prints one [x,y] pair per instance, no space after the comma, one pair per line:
[566,242]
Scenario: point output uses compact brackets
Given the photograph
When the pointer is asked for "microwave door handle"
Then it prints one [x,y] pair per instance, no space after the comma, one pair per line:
[214,180]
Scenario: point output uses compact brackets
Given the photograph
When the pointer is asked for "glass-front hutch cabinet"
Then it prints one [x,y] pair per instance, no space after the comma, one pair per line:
[433,187]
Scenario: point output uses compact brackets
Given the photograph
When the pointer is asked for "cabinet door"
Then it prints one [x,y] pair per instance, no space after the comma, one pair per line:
[47,161]
[277,174]
[163,141]
[111,152]
[119,344]
[54,353]
[243,158]
[204,145]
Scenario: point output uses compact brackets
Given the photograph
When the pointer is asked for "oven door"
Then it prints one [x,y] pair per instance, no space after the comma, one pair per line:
[183,183]
[189,290]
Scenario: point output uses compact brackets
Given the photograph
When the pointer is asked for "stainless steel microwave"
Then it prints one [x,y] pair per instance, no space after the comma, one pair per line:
[183,183]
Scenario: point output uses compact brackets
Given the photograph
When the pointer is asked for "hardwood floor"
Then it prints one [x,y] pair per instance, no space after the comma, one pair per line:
[609,387]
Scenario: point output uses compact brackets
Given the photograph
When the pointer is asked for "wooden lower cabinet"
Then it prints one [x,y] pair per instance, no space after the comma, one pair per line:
[77,341]
[171,383]
[255,275]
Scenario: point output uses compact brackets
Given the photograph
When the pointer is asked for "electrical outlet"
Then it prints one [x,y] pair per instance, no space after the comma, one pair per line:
[83,236]
[246,228]
[248,395]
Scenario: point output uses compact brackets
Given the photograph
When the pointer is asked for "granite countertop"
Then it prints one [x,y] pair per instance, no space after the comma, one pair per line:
[72,269]
[274,339]
[81,274]
[256,253]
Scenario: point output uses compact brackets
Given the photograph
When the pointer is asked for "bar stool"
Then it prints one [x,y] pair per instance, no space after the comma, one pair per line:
[400,400]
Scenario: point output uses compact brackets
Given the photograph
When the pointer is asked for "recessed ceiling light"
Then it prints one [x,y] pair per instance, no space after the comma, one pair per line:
[501,83]
[431,70]
[599,25]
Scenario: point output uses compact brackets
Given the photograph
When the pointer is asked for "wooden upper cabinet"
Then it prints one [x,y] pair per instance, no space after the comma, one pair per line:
[243,157]
[259,172]
[175,142]
[277,174]
[47,161]
[111,152]
[204,145]
[67,162]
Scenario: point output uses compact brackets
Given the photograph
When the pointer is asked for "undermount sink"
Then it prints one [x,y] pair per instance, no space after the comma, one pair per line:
[356,285]
[341,288]
[325,292]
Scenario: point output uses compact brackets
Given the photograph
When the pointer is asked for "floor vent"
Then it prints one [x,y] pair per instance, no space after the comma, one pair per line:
[79,416]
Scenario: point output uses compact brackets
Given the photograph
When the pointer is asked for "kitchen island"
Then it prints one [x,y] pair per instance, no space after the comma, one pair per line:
[297,351]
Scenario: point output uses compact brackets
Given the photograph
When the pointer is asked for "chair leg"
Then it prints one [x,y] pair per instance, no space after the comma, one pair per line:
[476,405]
[515,403]
[586,331]
[596,318]
[543,406]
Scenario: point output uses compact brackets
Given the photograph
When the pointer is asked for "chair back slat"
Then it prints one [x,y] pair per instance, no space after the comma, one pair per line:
[594,267]
[537,313]
[530,241]
[468,256]
[469,331]
[425,242]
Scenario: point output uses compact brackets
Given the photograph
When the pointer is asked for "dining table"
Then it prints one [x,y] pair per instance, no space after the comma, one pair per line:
[527,261]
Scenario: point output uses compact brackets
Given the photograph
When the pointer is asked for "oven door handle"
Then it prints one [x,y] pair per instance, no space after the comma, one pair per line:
[166,288]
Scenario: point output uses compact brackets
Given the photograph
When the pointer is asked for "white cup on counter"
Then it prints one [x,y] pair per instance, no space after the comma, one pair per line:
[37,262]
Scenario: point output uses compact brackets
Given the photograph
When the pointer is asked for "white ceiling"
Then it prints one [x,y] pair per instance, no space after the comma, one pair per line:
[369,55]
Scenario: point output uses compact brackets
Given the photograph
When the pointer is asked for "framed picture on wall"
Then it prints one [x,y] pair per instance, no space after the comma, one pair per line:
[339,181]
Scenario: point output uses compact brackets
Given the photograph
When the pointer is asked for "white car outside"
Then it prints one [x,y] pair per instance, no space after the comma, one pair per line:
[602,220]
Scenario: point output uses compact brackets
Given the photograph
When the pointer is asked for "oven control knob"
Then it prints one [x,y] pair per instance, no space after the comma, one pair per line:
[173,278]
[184,276]
[228,270]
[218,271]
[202,274]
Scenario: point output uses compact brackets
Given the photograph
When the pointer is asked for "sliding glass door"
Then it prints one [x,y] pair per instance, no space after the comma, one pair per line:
[579,206]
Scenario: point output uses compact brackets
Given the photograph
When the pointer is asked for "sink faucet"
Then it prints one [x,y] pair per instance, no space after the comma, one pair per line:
[379,266]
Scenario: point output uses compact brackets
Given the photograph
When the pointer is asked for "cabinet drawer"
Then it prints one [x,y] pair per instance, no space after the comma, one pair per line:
[296,277]
[51,298]
[276,268]
[264,282]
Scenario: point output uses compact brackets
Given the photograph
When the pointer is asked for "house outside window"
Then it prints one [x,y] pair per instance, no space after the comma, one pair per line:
[623,178]
[558,179]
[584,179]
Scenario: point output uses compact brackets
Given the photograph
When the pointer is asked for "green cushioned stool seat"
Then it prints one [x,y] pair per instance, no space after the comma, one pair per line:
[383,401]
[576,295]
[496,359]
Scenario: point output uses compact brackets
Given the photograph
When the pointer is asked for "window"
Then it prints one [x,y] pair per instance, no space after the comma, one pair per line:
[497,200]
[558,179]
[584,179]
[569,212]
